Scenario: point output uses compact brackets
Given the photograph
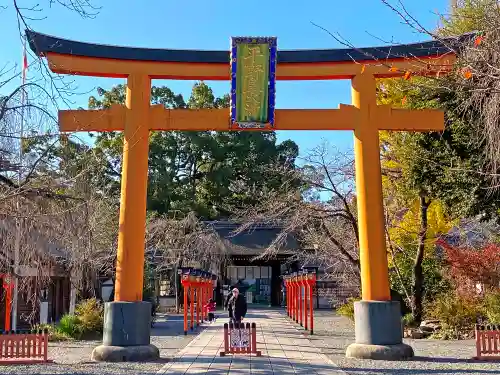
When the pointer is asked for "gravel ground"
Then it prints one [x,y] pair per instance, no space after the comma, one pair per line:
[332,334]
[74,357]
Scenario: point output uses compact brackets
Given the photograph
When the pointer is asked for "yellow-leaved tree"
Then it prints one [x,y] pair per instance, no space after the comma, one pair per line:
[431,180]
[415,173]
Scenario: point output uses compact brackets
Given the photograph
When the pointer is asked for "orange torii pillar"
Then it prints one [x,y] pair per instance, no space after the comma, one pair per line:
[127,320]
[378,328]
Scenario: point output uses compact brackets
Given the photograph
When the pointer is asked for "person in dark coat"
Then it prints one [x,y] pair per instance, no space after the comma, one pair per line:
[236,306]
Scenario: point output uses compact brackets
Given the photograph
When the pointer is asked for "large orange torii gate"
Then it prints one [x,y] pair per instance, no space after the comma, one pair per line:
[378,325]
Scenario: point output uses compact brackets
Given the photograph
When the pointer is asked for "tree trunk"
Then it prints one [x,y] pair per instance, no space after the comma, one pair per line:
[418,274]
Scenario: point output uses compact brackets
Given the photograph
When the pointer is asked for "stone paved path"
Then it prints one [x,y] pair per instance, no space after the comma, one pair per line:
[284,351]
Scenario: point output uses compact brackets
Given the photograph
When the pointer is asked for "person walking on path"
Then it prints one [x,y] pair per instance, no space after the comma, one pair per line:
[236,306]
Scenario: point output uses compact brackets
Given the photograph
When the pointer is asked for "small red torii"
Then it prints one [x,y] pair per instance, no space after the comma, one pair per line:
[299,297]
[198,285]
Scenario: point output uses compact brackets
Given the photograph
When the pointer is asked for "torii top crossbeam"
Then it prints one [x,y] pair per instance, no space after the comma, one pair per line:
[78,58]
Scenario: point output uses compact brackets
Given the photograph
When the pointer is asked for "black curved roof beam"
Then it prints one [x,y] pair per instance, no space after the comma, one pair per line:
[42,43]
[46,45]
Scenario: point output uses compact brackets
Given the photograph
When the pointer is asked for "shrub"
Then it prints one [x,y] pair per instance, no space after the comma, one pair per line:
[347,309]
[456,312]
[492,307]
[409,320]
[68,325]
[90,314]
[87,321]
[54,333]
[445,334]
[469,266]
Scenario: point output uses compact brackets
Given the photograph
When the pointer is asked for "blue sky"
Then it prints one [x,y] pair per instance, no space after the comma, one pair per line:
[201,24]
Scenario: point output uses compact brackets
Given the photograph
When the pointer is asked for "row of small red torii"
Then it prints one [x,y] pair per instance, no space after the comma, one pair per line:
[198,286]
[298,303]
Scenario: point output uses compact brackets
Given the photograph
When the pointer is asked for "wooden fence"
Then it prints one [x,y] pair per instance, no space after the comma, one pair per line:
[240,339]
[487,342]
[24,347]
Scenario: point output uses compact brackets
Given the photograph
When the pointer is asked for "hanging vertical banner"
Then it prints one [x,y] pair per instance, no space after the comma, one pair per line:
[253,82]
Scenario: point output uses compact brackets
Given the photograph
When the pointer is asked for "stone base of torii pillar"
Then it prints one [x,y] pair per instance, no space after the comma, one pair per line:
[127,332]
[379,332]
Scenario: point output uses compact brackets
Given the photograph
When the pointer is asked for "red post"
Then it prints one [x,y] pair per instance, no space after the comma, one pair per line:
[478,341]
[200,299]
[204,300]
[311,287]
[203,288]
[300,299]
[226,340]
[286,296]
[297,300]
[287,288]
[292,302]
[45,346]
[207,296]
[8,301]
[306,292]
[185,285]
[289,297]
[209,284]
[191,305]
[253,338]
[198,302]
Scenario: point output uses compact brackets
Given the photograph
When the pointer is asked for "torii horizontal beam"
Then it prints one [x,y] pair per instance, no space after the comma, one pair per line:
[344,118]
